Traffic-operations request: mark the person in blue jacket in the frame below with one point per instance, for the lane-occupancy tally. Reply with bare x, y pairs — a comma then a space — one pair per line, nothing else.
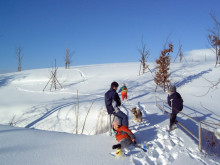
175, 101
113, 102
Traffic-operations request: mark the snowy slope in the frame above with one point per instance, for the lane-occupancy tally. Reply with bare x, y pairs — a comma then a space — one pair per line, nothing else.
22, 97
26, 146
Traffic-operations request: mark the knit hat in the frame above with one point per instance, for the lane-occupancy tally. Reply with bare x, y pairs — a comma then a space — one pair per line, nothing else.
172, 88
116, 122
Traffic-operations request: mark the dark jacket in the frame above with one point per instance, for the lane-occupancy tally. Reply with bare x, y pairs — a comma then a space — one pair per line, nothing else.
111, 95
175, 101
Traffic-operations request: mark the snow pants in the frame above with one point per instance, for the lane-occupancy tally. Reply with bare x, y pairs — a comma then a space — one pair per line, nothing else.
172, 119
123, 117
123, 96
125, 142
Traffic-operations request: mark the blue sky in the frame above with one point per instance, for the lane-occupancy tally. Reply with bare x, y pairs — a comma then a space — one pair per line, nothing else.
99, 31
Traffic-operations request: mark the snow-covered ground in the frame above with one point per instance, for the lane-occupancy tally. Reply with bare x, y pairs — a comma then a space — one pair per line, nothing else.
45, 121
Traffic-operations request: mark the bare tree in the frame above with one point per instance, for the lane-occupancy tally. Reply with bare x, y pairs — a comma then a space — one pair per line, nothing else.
180, 54
162, 76
68, 58
19, 57
213, 86
214, 38
144, 56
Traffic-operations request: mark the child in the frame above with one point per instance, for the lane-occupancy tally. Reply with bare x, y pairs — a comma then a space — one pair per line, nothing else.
175, 101
123, 91
124, 136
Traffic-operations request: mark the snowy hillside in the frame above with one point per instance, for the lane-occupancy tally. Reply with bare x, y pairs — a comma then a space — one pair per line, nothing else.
24, 103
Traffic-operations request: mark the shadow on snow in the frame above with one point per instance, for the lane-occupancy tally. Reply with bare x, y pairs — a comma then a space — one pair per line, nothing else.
191, 77
5, 80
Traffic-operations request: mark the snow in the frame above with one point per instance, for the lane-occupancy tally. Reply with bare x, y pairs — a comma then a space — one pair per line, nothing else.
44, 130
200, 55
217, 133
29, 146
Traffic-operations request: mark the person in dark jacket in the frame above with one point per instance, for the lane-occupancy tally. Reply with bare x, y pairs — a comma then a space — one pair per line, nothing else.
113, 102
175, 101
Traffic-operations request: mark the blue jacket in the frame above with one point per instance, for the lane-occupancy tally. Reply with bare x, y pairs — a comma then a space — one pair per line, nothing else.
111, 95
175, 101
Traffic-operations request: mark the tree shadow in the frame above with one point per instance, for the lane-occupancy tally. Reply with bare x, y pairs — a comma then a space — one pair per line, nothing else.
72, 84
191, 78
135, 84
139, 96
5, 80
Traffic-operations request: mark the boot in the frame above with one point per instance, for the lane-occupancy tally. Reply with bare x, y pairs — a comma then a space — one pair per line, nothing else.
118, 146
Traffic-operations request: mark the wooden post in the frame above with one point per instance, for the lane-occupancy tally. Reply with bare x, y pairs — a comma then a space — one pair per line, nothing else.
77, 112
86, 117
163, 107
200, 137
110, 125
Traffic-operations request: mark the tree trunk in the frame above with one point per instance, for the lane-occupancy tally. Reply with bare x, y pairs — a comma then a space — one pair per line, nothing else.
156, 89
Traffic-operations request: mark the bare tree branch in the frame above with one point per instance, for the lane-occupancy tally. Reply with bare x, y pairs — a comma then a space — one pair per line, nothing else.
213, 85
19, 57
214, 38
180, 53
209, 110
144, 56
68, 58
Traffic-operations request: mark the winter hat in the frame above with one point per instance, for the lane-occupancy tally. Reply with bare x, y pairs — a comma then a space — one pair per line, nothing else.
116, 122
172, 88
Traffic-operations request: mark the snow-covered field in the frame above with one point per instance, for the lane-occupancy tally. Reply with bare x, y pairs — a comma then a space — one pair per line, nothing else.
47, 120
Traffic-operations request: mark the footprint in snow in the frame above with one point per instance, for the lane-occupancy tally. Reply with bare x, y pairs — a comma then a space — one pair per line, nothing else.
136, 127
174, 155
162, 160
193, 155
169, 145
159, 144
137, 161
148, 160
